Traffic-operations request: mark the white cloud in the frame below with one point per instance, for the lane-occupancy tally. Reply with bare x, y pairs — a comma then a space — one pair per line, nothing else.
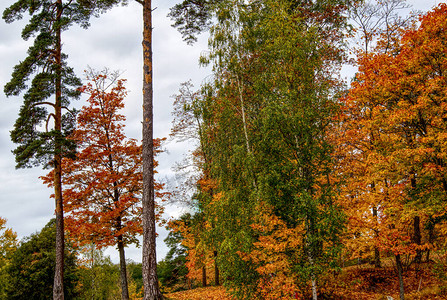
113, 41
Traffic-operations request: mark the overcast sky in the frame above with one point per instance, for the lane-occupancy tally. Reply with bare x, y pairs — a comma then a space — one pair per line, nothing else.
112, 41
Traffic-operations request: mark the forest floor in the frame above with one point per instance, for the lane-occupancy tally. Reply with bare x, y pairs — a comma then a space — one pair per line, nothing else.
360, 282
207, 293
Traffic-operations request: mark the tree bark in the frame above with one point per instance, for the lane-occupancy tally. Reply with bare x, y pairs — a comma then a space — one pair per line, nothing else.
400, 276
310, 257
58, 286
417, 238
216, 270
416, 226
431, 236
150, 280
123, 270
204, 284
377, 262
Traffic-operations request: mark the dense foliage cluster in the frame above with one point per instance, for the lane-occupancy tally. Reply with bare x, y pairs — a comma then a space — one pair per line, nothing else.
28, 269
298, 173
294, 174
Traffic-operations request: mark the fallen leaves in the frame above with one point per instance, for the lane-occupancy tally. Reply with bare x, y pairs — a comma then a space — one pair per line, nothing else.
207, 293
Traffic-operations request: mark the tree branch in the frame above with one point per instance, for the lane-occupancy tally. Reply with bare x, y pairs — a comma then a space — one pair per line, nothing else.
48, 120
44, 103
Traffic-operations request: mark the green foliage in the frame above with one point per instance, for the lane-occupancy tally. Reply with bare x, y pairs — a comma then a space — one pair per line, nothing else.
98, 276
192, 17
31, 268
135, 275
265, 123
172, 269
43, 73
38, 147
274, 196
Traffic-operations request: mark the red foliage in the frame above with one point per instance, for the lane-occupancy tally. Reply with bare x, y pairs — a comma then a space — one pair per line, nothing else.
104, 182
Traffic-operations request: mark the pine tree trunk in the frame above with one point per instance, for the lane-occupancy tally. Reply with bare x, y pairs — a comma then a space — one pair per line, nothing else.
150, 280
400, 276
123, 270
58, 286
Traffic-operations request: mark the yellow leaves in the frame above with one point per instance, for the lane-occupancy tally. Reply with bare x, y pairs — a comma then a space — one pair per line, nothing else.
8, 240
208, 293
207, 184
199, 255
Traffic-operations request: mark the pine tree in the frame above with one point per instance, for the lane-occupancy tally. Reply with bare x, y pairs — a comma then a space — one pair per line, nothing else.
47, 74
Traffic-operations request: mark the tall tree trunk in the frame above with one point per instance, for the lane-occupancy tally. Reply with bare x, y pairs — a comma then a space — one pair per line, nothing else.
216, 270
123, 270
150, 280
400, 276
58, 286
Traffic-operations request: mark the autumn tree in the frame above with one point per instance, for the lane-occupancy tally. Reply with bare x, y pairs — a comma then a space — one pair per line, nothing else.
8, 245
372, 21
266, 134
103, 182
50, 76
399, 95
151, 288
377, 26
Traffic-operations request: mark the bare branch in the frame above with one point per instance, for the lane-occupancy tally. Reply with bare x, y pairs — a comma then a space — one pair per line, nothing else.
48, 120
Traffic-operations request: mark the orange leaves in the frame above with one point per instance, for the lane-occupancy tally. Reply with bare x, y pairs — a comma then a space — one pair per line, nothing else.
207, 184
392, 137
209, 293
103, 184
271, 255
